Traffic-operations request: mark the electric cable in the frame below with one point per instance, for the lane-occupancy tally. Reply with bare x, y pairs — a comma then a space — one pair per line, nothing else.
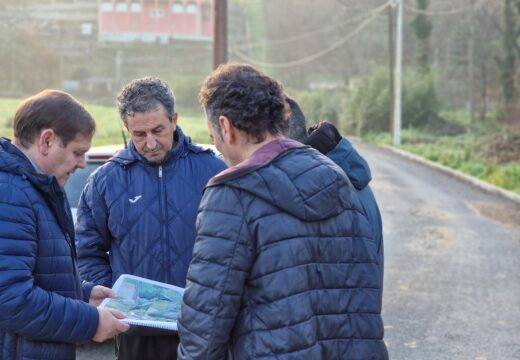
318, 54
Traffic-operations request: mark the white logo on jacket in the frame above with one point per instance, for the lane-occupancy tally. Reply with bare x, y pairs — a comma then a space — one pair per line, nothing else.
134, 200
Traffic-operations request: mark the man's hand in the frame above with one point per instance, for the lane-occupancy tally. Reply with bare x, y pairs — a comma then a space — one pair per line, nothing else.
109, 324
99, 293
323, 137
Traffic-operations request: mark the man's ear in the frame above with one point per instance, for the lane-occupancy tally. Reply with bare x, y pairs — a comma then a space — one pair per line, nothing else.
47, 139
174, 118
227, 130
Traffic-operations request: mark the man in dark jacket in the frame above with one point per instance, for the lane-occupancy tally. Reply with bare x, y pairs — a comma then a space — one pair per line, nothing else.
325, 138
42, 301
137, 212
285, 263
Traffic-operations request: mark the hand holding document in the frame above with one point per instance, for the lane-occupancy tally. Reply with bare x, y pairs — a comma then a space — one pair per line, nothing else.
110, 324
145, 302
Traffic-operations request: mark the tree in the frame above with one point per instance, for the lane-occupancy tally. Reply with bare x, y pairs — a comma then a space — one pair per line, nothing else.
422, 28
510, 50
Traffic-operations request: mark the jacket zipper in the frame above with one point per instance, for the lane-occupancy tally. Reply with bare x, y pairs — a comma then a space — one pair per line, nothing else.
164, 225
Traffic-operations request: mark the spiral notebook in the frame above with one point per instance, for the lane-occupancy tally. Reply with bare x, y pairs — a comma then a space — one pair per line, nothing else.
145, 302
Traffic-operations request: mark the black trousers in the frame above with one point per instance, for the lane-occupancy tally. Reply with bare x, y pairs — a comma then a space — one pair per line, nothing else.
135, 347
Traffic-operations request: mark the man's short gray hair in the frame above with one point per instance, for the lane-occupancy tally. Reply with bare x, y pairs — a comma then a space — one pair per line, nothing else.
144, 95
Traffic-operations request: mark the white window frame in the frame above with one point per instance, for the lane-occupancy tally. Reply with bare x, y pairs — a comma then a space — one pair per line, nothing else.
191, 8
121, 7
135, 7
106, 6
177, 8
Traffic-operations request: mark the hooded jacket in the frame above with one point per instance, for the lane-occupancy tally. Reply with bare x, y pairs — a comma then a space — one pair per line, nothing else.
284, 265
143, 214
359, 174
40, 315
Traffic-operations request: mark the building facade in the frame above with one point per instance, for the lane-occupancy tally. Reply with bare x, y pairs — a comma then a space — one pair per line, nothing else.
154, 20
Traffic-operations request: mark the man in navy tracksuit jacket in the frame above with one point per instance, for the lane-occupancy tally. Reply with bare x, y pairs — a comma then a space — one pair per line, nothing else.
137, 212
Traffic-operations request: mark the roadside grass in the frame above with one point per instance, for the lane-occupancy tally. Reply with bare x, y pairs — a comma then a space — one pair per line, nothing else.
459, 153
109, 126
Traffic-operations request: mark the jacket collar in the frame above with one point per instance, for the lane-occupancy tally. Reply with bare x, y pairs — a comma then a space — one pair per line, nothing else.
14, 161
261, 157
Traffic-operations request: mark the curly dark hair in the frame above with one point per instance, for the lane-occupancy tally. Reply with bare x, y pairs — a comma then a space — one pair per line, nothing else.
252, 101
144, 95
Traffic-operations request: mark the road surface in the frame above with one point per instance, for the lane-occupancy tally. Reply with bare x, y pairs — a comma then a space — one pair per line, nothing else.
452, 265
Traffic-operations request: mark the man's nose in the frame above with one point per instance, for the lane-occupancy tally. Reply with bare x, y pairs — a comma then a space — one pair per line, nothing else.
150, 141
82, 162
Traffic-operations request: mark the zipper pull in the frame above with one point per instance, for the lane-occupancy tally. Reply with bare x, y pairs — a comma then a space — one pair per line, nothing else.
160, 171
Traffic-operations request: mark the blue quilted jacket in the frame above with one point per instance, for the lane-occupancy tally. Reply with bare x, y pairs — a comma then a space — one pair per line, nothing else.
358, 172
143, 214
40, 317
284, 265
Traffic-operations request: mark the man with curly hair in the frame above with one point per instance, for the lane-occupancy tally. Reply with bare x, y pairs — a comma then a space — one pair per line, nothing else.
137, 212
285, 264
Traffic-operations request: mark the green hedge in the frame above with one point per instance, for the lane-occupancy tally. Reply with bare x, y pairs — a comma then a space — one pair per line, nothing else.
366, 106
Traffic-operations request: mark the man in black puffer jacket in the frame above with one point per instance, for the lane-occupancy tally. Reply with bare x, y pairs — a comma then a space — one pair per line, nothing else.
285, 264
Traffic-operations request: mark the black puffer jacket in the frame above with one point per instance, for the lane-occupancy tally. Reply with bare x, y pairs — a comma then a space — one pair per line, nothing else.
284, 266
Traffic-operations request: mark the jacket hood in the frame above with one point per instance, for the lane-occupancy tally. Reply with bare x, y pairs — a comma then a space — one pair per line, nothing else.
352, 163
130, 155
12, 160
293, 177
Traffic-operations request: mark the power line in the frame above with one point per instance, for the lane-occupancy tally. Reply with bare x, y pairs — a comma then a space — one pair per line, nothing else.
319, 54
311, 33
444, 12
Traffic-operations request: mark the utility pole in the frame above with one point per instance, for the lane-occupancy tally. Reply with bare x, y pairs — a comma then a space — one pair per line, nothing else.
220, 54
471, 65
398, 73
391, 64
119, 61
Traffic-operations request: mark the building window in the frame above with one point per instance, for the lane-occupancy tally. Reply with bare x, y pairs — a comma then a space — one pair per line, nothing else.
177, 8
156, 13
135, 7
121, 7
191, 8
106, 7
86, 29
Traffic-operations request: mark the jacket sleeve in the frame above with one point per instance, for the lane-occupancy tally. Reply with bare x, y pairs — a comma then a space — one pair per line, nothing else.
27, 309
93, 236
222, 259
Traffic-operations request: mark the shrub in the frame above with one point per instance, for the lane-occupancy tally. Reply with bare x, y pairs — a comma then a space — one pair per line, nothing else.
506, 176
366, 107
477, 169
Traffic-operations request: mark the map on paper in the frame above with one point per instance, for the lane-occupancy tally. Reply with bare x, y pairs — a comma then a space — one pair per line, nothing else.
146, 302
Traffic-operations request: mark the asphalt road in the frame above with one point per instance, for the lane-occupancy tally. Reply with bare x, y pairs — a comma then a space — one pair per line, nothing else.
452, 266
